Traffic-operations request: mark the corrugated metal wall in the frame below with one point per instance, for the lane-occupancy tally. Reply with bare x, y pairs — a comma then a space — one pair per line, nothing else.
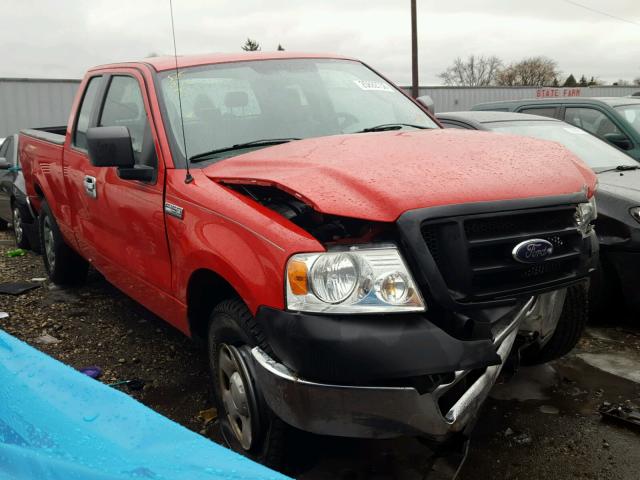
456, 99
27, 103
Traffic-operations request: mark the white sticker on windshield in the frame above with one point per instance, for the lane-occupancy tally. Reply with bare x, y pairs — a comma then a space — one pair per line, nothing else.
373, 85
576, 130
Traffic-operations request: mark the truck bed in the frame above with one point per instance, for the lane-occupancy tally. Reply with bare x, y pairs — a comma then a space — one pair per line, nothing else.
48, 134
41, 152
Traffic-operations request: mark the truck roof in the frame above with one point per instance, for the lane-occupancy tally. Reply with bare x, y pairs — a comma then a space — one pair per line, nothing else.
168, 62
611, 101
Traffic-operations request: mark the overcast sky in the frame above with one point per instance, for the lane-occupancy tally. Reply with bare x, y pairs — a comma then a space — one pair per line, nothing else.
61, 38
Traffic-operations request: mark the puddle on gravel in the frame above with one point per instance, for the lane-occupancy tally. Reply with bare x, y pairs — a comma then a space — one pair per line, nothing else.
617, 364
530, 383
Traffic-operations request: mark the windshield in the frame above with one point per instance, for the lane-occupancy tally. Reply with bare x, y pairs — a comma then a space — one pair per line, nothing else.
234, 103
631, 114
592, 151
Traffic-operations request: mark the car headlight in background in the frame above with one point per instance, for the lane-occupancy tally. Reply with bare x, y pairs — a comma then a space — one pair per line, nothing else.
635, 213
366, 279
586, 213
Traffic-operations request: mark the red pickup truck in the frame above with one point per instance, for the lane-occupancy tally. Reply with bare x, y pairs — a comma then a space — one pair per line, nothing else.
354, 269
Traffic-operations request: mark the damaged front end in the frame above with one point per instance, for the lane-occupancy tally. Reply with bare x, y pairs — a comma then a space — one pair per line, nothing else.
365, 371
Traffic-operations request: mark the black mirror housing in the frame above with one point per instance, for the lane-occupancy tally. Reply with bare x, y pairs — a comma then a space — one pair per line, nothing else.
110, 147
141, 173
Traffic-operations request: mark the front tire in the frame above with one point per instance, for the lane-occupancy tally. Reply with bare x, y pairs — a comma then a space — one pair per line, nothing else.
571, 324
64, 266
248, 425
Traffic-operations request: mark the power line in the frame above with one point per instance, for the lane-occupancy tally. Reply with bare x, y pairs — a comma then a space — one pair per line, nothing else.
600, 12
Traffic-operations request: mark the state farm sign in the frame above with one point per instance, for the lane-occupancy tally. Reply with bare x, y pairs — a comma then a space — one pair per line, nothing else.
557, 92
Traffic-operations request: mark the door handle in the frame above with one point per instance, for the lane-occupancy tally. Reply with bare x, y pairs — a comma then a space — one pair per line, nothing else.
90, 186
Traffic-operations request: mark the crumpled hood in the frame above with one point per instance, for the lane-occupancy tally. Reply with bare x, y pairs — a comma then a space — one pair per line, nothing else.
379, 176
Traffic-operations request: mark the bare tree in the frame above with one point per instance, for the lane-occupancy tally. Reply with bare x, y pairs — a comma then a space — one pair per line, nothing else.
251, 46
636, 81
475, 71
534, 72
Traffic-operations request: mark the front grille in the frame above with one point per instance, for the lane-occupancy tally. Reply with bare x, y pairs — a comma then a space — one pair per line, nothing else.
474, 252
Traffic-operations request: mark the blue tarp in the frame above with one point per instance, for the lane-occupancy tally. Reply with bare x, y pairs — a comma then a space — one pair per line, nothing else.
58, 424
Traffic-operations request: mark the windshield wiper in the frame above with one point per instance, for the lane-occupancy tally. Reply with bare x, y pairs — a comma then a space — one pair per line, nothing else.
239, 146
390, 126
621, 168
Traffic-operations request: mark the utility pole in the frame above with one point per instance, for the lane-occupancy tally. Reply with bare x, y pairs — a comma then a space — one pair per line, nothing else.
414, 51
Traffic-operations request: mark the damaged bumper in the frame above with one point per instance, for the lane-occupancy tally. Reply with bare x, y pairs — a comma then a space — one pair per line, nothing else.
373, 411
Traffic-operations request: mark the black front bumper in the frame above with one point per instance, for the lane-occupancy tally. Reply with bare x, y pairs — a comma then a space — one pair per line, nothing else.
366, 349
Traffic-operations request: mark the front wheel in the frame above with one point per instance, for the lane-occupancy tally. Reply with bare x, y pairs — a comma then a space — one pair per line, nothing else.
571, 324
247, 424
64, 266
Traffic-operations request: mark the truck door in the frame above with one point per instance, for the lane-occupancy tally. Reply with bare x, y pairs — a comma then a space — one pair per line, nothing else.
121, 227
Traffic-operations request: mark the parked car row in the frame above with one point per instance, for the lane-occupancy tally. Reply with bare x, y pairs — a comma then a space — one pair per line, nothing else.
615, 120
353, 268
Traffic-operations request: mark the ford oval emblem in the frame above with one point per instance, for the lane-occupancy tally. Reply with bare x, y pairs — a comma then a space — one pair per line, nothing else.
532, 251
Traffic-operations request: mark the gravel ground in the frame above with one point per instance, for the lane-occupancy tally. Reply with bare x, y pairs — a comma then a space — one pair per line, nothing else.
543, 424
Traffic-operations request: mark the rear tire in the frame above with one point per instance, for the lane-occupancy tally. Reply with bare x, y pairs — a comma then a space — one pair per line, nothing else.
571, 324
64, 266
248, 425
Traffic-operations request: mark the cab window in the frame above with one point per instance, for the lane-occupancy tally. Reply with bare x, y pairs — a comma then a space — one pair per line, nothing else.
123, 106
84, 113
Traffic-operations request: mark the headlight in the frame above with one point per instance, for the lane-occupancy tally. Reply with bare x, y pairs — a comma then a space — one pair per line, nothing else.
586, 213
353, 280
635, 213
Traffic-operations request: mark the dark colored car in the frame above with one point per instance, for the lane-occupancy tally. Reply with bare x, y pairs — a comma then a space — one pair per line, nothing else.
618, 194
14, 204
613, 119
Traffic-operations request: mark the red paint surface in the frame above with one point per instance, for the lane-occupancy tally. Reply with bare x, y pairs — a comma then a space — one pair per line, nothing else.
379, 176
152, 256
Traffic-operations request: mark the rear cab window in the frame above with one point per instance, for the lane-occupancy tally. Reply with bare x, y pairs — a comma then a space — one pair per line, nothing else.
84, 113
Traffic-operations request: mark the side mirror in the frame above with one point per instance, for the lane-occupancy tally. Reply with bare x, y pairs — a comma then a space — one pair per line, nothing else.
619, 140
427, 102
4, 165
110, 147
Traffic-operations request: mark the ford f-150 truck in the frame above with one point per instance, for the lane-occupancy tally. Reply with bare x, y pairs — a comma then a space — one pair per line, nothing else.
354, 269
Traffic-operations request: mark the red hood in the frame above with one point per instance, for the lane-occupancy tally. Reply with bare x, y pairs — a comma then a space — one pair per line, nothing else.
379, 176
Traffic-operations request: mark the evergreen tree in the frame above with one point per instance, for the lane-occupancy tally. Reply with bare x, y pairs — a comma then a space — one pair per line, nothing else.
280, 48
251, 46
583, 81
570, 81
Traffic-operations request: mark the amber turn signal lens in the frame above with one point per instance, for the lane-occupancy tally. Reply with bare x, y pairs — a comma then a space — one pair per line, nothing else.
297, 274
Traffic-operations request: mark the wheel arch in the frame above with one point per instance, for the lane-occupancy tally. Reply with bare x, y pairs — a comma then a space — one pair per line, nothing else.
205, 289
